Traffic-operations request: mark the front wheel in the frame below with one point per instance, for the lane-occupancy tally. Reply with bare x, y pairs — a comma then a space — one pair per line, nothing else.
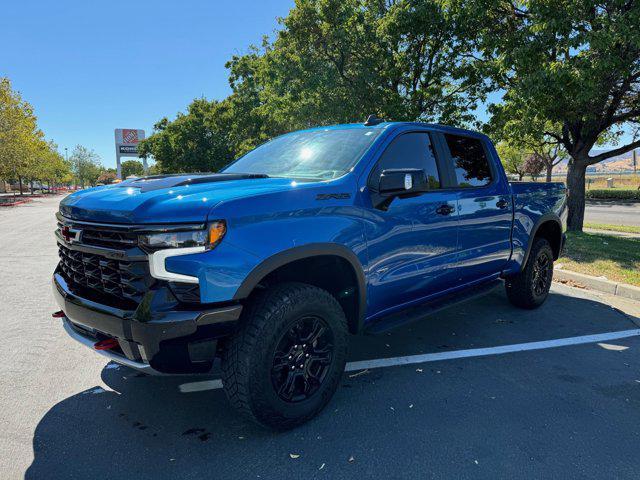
530, 288
285, 363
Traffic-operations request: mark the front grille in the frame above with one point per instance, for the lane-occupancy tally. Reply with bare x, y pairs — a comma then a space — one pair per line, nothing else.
109, 239
120, 240
124, 280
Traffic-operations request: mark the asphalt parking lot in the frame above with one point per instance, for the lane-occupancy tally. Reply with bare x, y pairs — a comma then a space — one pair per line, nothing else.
568, 409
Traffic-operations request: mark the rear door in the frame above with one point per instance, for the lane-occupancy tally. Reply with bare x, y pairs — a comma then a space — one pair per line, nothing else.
484, 207
412, 241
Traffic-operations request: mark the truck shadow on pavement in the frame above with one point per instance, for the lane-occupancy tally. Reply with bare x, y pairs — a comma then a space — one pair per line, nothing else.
144, 427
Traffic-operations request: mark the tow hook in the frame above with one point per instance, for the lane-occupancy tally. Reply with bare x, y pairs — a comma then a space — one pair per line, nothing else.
106, 344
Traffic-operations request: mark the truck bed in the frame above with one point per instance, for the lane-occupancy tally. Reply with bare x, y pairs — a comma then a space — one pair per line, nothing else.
532, 201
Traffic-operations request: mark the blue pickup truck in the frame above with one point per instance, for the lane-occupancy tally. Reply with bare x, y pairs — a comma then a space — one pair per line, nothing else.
272, 263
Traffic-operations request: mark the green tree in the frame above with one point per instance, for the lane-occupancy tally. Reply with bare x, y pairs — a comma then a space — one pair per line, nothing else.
132, 167
512, 159
20, 139
25, 155
551, 155
52, 166
336, 61
85, 165
573, 65
193, 142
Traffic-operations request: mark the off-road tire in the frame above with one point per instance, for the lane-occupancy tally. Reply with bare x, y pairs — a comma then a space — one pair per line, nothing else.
248, 356
523, 289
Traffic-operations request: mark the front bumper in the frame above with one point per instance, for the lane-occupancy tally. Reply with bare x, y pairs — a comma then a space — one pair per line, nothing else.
159, 336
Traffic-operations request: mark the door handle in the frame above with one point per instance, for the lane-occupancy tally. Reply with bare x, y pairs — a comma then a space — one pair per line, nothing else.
502, 204
445, 209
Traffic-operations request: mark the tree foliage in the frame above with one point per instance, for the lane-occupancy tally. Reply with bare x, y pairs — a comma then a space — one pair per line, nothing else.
85, 165
570, 70
533, 165
132, 168
193, 142
25, 155
107, 176
512, 159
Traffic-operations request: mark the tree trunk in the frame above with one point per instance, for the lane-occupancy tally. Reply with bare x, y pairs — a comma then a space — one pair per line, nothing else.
575, 195
20, 183
549, 171
520, 175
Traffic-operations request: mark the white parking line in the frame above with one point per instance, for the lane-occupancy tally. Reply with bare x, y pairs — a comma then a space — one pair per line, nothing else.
435, 357
481, 352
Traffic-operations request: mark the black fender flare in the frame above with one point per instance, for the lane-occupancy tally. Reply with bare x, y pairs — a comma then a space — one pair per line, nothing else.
285, 257
547, 217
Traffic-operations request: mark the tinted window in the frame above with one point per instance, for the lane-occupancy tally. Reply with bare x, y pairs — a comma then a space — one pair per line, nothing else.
315, 154
469, 161
411, 150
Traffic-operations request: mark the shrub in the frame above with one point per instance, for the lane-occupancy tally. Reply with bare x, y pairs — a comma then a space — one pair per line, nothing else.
614, 194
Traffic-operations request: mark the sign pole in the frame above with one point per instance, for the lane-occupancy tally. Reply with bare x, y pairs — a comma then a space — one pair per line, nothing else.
127, 146
118, 166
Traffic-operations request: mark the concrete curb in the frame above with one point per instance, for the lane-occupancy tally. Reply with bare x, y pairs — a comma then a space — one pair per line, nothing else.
595, 283
13, 204
612, 233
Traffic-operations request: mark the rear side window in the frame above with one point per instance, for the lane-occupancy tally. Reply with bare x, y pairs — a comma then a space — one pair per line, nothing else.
409, 150
469, 161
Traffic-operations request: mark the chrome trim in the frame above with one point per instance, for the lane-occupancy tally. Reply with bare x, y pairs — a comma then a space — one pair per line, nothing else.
158, 269
87, 342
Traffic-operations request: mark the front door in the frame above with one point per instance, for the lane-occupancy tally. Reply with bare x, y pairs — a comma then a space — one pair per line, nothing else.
411, 242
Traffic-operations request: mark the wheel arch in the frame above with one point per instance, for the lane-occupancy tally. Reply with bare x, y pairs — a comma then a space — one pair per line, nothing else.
548, 226
302, 264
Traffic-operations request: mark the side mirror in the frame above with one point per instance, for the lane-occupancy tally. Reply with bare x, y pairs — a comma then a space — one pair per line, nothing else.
402, 181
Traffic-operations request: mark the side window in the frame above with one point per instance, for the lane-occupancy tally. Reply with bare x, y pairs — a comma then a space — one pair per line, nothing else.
409, 150
469, 161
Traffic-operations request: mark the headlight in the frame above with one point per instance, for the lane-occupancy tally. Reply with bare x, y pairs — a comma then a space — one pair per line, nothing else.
208, 238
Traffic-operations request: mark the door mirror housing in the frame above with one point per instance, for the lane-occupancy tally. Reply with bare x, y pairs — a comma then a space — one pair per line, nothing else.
402, 181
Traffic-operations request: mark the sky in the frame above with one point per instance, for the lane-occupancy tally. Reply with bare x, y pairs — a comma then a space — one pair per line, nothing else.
90, 67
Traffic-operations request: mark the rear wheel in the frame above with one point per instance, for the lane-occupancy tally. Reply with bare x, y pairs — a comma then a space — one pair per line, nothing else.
530, 288
284, 364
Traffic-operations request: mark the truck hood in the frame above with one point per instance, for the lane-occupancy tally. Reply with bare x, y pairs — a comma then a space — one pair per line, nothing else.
165, 199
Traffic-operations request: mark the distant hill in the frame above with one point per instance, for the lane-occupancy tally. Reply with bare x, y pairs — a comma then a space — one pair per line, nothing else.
619, 163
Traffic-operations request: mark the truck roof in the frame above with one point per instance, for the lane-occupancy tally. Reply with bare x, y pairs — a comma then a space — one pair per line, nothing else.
386, 125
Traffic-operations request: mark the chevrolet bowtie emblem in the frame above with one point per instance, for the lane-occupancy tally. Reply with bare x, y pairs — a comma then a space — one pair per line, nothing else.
70, 234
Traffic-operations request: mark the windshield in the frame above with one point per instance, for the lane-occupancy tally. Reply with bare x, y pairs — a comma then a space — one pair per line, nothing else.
317, 154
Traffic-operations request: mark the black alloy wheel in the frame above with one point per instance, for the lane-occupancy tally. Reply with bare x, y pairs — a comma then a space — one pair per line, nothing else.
529, 288
541, 274
302, 359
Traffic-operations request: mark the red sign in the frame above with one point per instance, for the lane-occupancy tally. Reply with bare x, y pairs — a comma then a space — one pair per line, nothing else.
129, 136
